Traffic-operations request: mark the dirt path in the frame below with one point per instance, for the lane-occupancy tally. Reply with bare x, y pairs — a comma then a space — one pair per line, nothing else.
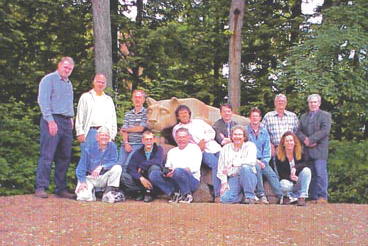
26, 220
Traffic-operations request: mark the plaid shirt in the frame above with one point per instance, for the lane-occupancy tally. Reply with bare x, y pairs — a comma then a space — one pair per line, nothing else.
277, 126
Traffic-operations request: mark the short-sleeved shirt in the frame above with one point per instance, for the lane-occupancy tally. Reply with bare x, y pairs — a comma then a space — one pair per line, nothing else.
277, 126
132, 119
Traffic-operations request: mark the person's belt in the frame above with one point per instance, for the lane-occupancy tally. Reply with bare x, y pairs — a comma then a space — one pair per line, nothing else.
95, 127
63, 116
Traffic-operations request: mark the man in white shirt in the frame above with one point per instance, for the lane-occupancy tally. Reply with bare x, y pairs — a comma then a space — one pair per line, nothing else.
182, 173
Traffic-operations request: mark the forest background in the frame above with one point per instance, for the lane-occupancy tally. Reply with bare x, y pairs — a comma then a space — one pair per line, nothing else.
180, 48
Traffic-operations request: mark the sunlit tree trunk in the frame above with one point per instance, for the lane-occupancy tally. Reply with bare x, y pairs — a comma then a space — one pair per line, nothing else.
236, 24
102, 38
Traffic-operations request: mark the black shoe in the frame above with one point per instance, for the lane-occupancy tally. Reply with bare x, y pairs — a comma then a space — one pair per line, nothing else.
66, 194
140, 197
188, 198
286, 200
148, 197
175, 197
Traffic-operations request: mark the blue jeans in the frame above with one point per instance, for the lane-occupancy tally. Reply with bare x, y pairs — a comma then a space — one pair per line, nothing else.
319, 183
211, 161
240, 184
90, 139
182, 181
300, 189
56, 148
124, 157
272, 179
133, 185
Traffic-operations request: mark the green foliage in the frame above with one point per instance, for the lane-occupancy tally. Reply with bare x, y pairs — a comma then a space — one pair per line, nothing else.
348, 172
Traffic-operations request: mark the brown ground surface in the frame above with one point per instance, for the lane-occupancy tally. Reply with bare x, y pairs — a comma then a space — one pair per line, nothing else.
26, 220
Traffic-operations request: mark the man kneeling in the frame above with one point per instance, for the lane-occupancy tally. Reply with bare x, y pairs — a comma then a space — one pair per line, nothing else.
98, 168
182, 173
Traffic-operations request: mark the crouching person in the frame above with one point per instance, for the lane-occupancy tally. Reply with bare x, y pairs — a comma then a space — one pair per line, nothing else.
146, 159
237, 168
181, 175
98, 168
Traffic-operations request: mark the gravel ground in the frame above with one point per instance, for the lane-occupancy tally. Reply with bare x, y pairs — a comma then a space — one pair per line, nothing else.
26, 220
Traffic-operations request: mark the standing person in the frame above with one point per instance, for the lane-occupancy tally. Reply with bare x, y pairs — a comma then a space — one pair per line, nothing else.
278, 122
237, 168
135, 121
182, 174
98, 168
95, 109
313, 131
203, 135
295, 176
223, 126
55, 97
261, 138
145, 160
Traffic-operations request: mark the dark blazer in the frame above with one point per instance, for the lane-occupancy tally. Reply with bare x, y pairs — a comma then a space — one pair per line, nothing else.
138, 160
220, 127
283, 168
317, 130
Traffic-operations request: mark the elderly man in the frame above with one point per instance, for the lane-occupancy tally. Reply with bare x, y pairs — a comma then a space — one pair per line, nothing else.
98, 168
55, 97
95, 109
261, 138
182, 173
224, 125
203, 135
135, 122
313, 131
145, 160
278, 122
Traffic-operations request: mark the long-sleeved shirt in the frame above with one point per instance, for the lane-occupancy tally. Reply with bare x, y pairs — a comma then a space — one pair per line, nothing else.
86, 113
55, 96
198, 130
93, 157
231, 160
277, 126
139, 160
262, 142
190, 156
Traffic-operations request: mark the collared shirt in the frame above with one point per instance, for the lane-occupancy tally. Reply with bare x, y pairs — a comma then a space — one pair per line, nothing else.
277, 126
132, 119
93, 157
55, 96
198, 130
262, 141
231, 160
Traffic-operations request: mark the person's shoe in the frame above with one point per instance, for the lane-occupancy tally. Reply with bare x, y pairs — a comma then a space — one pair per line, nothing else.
264, 200
249, 201
286, 200
140, 197
66, 194
188, 198
293, 200
148, 197
301, 201
175, 197
322, 201
41, 194
217, 199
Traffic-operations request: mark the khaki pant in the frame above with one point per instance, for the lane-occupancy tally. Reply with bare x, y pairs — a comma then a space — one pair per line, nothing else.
110, 178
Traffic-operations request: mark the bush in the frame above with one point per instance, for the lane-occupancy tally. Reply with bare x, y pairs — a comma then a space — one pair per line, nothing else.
348, 172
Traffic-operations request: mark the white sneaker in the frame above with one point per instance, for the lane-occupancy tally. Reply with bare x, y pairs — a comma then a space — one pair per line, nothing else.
264, 200
176, 197
187, 199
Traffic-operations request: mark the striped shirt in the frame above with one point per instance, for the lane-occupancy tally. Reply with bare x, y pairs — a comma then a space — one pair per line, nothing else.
132, 119
277, 126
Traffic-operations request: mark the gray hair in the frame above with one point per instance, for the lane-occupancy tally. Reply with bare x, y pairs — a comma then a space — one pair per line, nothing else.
280, 96
67, 59
182, 129
314, 96
103, 129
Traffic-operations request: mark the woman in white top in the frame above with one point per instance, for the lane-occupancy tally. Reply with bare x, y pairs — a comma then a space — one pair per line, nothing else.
95, 109
236, 168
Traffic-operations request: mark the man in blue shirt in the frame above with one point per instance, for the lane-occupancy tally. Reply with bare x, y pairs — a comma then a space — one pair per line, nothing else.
261, 138
55, 97
145, 160
98, 168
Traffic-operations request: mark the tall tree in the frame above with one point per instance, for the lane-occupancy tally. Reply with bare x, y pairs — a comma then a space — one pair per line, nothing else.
102, 38
236, 24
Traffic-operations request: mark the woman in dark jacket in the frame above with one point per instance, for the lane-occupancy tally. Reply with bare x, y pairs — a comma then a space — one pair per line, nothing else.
294, 175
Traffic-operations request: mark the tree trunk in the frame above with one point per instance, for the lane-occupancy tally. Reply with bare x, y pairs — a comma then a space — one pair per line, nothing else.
236, 24
102, 38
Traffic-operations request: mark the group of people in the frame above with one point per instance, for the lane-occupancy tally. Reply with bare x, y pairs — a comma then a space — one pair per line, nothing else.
289, 153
